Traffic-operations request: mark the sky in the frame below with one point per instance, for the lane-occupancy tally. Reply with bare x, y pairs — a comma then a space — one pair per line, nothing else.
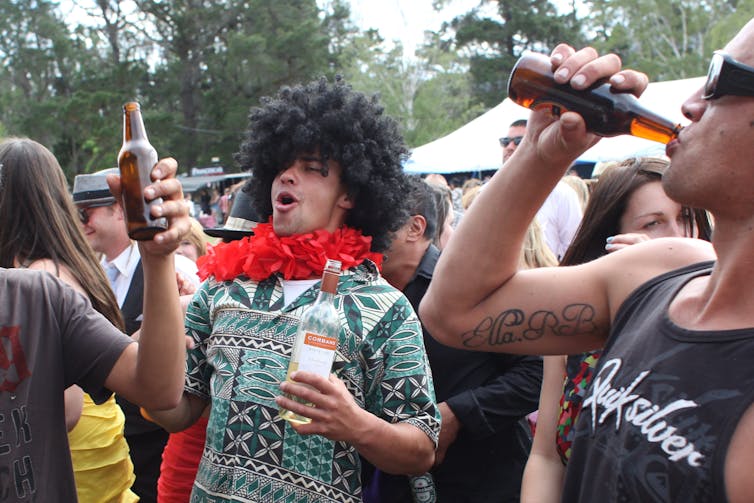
405, 20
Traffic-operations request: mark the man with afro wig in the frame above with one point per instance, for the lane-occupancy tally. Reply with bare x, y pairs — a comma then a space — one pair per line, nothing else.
327, 180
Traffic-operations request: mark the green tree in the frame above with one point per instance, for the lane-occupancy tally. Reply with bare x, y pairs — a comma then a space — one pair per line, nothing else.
220, 57
495, 43
731, 23
429, 93
667, 39
60, 87
36, 66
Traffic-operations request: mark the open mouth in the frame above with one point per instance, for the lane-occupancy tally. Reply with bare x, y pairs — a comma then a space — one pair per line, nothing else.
285, 200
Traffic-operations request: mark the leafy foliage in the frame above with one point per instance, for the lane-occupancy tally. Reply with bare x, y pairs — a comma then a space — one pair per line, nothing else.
667, 39
197, 66
495, 43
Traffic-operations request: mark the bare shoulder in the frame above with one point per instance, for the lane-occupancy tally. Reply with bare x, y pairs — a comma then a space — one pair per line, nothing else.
665, 253
56, 269
44, 264
739, 484
629, 268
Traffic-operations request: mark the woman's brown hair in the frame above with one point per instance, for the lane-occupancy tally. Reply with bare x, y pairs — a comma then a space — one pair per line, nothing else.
608, 202
38, 220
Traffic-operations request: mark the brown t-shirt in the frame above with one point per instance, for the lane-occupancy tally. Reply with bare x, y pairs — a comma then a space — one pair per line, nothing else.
50, 339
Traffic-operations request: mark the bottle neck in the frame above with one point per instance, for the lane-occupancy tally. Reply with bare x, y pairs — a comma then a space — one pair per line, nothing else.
325, 297
329, 285
133, 123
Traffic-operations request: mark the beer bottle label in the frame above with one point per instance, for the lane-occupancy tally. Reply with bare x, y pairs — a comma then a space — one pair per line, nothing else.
423, 488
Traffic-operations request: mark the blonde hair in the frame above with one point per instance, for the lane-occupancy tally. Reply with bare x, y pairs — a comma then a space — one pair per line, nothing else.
469, 196
198, 238
535, 252
579, 185
470, 184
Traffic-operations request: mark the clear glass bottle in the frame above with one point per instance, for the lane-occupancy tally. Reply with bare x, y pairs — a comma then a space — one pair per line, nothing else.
605, 112
136, 159
317, 335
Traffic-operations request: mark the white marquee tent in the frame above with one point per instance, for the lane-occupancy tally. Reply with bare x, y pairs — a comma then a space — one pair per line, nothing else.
475, 147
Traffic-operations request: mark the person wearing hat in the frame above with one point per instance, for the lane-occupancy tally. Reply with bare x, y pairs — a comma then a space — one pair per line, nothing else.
182, 453
241, 220
103, 223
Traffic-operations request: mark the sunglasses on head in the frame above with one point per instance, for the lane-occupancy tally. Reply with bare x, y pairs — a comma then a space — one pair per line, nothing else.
505, 141
726, 76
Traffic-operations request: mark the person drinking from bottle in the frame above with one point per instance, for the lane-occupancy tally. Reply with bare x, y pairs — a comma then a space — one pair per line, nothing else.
669, 415
326, 167
627, 206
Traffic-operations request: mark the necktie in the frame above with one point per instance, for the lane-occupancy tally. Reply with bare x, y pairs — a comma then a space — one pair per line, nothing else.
112, 274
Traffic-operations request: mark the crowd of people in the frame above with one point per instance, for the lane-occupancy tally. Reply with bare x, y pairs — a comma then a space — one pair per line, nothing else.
156, 371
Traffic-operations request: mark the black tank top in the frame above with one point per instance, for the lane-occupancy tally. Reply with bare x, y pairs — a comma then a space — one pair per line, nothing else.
659, 414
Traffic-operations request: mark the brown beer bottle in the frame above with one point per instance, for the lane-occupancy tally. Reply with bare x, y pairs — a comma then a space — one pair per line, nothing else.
605, 112
136, 159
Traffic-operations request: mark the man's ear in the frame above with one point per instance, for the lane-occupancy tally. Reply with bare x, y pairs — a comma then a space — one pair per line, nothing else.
119, 212
418, 224
345, 202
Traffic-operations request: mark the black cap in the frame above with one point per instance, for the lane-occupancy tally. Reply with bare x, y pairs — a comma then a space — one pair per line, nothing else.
240, 222
92, 190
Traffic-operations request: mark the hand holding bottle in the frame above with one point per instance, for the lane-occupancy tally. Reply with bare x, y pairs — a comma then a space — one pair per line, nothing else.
326, 402
560, 140
167, 187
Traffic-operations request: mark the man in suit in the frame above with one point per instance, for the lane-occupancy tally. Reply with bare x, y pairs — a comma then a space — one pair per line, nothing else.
483, 397
103, 223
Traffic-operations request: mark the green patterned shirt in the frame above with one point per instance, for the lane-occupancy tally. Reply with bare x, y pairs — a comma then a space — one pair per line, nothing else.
243, 340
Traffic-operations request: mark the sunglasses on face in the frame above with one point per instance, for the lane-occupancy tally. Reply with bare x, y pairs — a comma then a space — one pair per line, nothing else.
83, 215
726, 76
505, 141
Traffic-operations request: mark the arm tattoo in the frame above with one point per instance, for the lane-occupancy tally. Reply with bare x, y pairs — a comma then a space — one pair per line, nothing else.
513, 326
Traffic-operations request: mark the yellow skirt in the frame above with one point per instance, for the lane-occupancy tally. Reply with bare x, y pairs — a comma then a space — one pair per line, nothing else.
101, 463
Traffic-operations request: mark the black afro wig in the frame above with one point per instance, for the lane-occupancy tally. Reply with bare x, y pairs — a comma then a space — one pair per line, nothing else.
343, 125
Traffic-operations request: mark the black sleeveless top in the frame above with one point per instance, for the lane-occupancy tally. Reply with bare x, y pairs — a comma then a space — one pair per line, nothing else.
659, 414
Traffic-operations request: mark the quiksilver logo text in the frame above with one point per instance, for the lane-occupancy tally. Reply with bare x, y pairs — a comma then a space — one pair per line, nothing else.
640, 412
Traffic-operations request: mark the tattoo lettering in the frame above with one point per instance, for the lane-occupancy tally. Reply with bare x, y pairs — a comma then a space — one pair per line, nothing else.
513, 326
494, 332
578, 320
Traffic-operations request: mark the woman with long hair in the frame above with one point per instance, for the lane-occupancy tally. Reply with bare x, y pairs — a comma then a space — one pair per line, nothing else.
627, 205
39, 229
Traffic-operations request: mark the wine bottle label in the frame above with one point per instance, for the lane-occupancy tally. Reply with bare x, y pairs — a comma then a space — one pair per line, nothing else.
317, 353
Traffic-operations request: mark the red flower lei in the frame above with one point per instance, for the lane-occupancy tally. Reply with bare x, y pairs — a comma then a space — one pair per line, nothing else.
295, 257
